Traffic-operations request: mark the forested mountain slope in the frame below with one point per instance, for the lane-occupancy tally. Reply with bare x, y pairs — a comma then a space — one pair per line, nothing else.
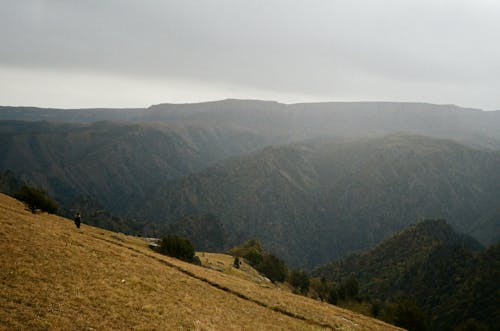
113, 163
448, 275
314, 202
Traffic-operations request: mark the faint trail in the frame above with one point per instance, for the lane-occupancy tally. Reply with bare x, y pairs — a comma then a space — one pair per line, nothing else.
219, 286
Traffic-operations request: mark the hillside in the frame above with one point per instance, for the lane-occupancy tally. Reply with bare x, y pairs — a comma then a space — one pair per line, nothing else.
449, 276
314, 202
54, 276
113, 163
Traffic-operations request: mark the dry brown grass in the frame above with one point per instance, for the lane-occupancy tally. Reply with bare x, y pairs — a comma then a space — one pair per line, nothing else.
224, 263
56, 277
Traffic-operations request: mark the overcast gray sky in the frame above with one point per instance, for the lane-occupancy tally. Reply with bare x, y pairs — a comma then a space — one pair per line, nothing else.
85, 53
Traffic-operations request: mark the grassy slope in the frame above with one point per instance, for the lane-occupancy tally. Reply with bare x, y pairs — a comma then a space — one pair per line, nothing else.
54, 276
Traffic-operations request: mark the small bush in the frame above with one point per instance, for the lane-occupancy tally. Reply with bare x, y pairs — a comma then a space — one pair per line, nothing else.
236, 262
265, 263
254, 258
36, 198
180, 248
321, 287
299, 279
409, 316
333, 297
273, 268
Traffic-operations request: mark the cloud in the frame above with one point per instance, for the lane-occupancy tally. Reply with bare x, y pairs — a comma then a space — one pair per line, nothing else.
321, 49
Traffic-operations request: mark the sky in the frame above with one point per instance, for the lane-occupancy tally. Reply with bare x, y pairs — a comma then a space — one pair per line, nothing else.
124, 53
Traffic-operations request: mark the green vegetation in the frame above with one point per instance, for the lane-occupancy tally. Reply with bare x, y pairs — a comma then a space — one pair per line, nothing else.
341, 195
315, 202
180, 248
273, 268
264, 262
409, 316
237, 262
115, 163
9, 182
36, 198
448, 277
471, 325
299, 279
321, 288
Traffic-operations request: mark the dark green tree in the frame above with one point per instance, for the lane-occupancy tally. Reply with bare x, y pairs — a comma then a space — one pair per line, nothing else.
376, 308
409, 316
471, 325
264, 262
177, 247
351, 287
36, 198
273, 268
299, 279
333, 296
254, 258
321, 286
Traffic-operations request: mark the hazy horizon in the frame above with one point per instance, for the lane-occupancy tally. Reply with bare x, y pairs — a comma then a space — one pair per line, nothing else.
250, 100
130, 54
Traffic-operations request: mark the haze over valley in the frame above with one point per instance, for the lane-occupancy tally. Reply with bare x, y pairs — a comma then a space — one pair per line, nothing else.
250, 165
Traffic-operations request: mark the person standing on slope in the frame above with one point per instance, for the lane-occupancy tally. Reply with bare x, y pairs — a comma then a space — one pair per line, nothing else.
77, 220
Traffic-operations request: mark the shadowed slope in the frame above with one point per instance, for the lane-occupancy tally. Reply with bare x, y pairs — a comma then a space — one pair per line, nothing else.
448, 275
310, 203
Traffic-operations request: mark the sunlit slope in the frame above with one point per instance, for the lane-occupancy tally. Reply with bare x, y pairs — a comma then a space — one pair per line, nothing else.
54, 276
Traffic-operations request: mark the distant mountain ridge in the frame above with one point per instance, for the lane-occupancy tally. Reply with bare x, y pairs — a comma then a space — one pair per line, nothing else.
299, 121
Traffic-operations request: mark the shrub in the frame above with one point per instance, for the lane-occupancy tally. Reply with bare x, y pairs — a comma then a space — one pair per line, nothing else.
376, 308
180, 248
409, 316
36, 198
236, 262
254, 258
273, 268
300, 280
265, 263
333, 297
322, 287
351, 287
251, 251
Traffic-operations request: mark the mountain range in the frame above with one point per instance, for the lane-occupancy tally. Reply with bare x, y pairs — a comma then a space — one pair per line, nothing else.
313, 182
295, 122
